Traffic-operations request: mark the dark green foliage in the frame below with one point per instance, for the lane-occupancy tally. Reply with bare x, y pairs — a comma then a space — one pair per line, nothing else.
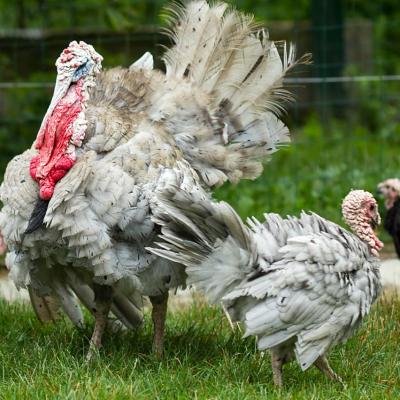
318, 169
103, 14
121, 14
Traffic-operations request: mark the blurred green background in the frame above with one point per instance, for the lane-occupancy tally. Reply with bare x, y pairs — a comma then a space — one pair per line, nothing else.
344, 123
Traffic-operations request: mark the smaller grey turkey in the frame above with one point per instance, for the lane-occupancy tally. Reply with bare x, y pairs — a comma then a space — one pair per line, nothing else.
390, 189
300, 285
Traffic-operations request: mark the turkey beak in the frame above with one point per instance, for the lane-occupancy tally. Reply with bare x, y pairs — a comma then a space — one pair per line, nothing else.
375, 221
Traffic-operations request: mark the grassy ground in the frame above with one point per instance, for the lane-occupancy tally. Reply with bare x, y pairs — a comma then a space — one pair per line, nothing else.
203, 360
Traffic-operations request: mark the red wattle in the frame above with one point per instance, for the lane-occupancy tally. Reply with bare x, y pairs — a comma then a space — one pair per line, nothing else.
33, 166
53, 140
48, 183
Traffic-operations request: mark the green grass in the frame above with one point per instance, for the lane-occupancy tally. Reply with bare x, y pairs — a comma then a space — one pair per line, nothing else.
203, 360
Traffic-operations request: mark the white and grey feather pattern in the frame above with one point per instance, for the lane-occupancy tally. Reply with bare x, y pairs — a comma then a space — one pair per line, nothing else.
304, 281
213, 117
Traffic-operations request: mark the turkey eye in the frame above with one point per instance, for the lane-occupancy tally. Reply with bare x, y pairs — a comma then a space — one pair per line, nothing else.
372, 207
82, 68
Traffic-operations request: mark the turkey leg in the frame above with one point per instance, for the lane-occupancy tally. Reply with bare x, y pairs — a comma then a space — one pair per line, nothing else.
102, 298
158, 315
323, 365
277, 363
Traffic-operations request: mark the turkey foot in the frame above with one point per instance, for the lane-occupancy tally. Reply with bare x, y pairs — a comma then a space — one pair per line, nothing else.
158, 315
323, 365
102, 299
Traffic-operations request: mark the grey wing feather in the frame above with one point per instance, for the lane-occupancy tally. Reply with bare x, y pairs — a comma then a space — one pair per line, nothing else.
46, 307
315, 294
208, 238
19, 194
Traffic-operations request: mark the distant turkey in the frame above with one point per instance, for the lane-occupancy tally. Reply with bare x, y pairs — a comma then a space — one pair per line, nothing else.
300, 285
390, 189
111, 139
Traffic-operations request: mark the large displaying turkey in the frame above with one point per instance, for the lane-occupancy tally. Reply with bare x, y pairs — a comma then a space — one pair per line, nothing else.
390, 189
300, 285
78, 204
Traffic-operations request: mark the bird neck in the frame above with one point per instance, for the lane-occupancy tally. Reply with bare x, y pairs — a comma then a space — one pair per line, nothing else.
60, 135
363, 229
391, 201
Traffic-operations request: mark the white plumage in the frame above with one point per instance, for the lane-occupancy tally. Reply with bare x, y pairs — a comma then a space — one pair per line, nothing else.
300, 285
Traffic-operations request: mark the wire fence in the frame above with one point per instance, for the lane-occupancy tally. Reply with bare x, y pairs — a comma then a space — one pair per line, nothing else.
306, 80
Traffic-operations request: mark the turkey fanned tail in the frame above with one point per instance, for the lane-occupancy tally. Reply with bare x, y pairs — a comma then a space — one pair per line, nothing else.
231, 60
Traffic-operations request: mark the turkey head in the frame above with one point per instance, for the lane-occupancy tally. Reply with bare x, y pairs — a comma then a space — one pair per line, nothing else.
390, 189
360, 212
64, 125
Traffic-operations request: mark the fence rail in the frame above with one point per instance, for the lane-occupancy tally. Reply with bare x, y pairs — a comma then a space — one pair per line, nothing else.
306, 80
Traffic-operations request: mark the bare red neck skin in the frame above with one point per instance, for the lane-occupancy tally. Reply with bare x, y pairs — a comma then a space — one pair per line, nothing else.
367, 234
53, 141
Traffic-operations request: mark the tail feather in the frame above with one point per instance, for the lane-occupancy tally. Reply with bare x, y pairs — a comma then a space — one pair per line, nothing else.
128, 314
233, 30
263, 90
124, 309
194, 25
230, 58
46, 307
208, 238
68, 302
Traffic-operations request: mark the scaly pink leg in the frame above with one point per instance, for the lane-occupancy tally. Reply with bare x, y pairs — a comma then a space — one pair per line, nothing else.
103, 298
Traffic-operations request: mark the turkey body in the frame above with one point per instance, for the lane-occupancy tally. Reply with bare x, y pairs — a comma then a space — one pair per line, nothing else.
300, 285
211, 118
310, 295
98, 220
